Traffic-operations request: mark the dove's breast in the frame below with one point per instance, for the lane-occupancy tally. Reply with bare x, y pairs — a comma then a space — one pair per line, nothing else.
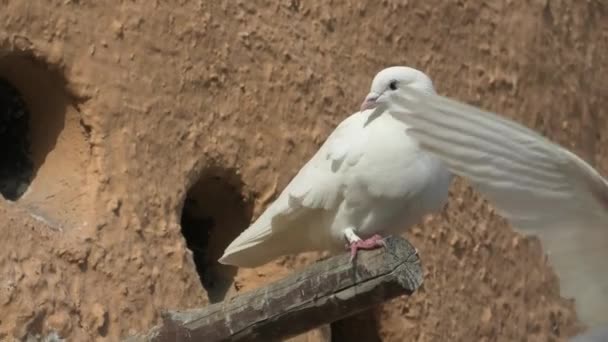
392, 185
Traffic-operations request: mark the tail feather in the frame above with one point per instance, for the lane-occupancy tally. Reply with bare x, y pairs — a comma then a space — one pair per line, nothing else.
259, 252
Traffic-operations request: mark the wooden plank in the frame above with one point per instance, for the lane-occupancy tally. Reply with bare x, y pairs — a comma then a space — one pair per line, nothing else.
322, 293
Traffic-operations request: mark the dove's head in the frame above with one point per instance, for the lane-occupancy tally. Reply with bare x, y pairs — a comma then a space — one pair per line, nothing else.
393, 78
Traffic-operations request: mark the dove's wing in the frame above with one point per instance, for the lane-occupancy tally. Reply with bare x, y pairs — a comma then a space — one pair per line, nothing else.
540, 187
317, 186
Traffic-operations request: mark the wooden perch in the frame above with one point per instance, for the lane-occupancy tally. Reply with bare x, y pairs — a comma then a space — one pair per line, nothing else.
322, 293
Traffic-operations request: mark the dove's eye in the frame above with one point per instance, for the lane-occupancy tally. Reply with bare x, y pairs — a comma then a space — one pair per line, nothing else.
393, 85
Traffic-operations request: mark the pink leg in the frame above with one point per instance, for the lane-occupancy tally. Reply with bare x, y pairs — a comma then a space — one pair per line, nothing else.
373, 242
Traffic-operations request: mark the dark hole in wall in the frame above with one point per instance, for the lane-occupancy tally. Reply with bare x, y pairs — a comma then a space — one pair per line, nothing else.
34, 103
362, 326
16, 167
214, 214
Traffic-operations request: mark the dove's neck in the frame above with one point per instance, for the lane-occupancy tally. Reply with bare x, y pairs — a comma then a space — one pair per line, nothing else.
383, 118
373, 114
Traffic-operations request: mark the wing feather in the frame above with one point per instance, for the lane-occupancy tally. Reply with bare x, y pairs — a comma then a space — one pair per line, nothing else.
317, 186
540, 187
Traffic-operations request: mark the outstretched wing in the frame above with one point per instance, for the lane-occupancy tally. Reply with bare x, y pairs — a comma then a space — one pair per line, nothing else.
317, 186
540, 187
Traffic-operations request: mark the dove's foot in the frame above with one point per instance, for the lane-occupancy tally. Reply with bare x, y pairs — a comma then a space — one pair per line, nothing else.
373, 242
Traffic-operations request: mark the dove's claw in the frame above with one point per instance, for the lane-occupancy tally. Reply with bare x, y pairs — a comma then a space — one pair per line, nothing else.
373, 242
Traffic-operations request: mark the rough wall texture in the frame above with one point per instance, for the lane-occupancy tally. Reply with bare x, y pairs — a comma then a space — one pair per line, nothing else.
134, 103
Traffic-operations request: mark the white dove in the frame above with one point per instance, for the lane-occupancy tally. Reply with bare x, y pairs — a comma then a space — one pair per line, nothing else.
368, 179
540, 187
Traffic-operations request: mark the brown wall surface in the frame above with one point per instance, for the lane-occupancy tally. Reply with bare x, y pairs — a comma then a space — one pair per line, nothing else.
134, 103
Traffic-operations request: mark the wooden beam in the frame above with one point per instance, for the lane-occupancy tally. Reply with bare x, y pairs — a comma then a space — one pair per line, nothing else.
322, 293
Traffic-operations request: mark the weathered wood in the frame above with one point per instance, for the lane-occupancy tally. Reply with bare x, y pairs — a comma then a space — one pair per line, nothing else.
320, 294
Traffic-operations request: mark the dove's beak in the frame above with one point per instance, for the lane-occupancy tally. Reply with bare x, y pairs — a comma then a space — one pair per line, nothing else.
370, 101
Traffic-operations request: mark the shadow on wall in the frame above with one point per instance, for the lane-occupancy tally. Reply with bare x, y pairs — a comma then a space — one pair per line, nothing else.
214, 213
362, 326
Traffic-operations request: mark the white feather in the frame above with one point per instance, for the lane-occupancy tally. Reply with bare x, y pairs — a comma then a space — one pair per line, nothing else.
540, 187
368, 175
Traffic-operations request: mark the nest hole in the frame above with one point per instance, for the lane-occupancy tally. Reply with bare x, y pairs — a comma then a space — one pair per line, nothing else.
214, 213
42, 138
16, 166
